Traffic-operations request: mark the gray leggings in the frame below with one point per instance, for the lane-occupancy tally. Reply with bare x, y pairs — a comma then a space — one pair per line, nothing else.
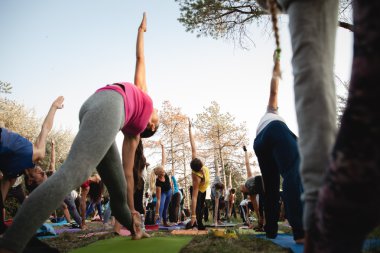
101, 118
312, 25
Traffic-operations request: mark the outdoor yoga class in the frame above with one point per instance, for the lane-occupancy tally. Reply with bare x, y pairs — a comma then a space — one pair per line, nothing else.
189, 126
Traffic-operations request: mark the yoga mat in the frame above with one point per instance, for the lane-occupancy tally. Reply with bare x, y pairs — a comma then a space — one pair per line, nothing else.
371, 244
67, 230
92, 234
189, 232
46, 237
224, 225
8, 222
61, 223
176, 227
151, 227
124, 232
285, 241
126, 245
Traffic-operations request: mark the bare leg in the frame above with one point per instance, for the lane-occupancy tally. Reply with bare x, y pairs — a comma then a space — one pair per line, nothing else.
83, 199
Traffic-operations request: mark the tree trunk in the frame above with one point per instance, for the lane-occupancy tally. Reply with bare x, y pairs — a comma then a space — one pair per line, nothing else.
223, 169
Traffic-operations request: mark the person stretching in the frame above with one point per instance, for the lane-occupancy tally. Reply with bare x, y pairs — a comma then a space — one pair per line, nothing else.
35, 177
163, 190
120, 106
201, 180
18, 154
277, 153
85, 188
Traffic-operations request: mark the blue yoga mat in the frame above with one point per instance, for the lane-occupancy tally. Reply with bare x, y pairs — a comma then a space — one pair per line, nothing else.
370, 244
285, 241
61, 223
46, 231
177, 227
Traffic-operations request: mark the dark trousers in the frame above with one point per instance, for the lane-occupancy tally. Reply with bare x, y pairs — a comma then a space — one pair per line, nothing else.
277, 153
174, 207
17, 193
200, 208
351, 188
138, 200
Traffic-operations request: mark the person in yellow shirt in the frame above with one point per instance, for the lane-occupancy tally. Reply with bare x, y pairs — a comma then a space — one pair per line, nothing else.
201, 180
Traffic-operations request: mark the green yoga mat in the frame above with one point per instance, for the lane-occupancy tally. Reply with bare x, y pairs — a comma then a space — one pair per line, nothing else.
170, 244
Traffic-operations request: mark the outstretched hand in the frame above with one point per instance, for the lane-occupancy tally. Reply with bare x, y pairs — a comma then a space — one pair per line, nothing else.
143, 24
58, 103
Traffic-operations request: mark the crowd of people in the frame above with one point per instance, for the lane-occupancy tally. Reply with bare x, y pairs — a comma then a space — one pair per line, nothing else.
327, 176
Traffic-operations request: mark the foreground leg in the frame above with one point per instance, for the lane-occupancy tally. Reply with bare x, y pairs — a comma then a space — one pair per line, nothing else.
352, 187
112, 174
312, 25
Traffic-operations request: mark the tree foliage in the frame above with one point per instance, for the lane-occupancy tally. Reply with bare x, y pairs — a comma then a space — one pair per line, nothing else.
219, 140
5, 87
222, 138
175, 139
230, 19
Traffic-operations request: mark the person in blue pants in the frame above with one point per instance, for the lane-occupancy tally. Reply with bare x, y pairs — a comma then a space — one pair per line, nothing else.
163, 190
277, 153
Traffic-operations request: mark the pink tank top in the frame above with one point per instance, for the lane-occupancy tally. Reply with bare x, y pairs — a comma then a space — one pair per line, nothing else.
138, 107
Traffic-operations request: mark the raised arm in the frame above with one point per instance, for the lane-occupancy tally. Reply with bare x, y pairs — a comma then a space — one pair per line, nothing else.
247, 165
192, 142
140, 74
230, 181
39, 146
163, 159
273, 95
52, 157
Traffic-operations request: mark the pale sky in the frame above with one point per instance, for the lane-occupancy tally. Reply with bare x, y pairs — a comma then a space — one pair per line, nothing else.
71, 48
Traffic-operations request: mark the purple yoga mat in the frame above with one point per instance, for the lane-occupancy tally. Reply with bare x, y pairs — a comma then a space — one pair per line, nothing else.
67, 230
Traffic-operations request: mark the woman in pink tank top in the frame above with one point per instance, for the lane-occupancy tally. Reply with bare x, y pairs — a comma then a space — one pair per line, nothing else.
121, 106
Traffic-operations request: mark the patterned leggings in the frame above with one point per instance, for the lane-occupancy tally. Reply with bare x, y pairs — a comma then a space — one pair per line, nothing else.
349, 204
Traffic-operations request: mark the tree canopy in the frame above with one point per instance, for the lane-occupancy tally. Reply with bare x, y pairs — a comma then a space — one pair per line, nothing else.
230, 19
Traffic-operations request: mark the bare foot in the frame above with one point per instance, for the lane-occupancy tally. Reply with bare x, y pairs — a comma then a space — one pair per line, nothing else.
145, 235
136, 224
83, 226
